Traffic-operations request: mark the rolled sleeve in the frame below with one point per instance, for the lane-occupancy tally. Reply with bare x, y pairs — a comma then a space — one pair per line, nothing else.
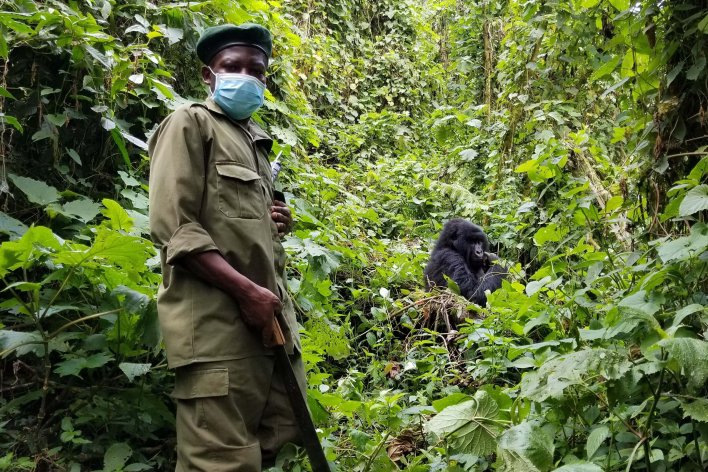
177, 185
188, 239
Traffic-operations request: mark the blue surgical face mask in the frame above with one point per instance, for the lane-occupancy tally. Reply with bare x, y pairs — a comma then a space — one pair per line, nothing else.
239, 95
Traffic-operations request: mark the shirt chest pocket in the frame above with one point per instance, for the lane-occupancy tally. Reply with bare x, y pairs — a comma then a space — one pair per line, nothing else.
241, 193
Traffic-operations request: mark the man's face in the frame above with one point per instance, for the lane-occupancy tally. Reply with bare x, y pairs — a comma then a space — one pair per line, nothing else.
237, 60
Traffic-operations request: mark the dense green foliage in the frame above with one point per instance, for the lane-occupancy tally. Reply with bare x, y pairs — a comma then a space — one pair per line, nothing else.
574, 130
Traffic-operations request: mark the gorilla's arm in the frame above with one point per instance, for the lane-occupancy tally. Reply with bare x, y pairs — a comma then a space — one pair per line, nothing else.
491, 280
451, 263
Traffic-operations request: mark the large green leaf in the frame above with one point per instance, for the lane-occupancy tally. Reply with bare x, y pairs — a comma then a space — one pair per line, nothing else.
643, 302
695, 71
12, 227
450, 400
606, 68
116, 456
595, 439
621, 5
139, 200
74, 365
695, 200
685, 247
10, 338
134, 302
83, 209
117, 216
19, 401
530, 444
25, 251
128, 252
11, 119
692, 355
132, 370
511, 461
697, 409
468, 427
36, 191
556, 375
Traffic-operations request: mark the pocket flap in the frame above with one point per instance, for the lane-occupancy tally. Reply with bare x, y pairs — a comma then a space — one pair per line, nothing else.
236, 171
202, 383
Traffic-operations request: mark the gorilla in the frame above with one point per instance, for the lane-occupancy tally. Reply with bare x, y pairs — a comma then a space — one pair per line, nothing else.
462, 254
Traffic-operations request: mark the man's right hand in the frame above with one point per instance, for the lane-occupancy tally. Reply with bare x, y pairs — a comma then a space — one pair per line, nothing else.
258, 308
258, 305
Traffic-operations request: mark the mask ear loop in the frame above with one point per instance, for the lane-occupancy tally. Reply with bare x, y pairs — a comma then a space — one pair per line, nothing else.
210, 93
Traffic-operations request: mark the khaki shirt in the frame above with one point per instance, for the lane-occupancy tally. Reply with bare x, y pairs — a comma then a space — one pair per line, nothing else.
211, 189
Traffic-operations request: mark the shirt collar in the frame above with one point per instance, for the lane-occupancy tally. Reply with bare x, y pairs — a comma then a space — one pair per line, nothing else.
256, 134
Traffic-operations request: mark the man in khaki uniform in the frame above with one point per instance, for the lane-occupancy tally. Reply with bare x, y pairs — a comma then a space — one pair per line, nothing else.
218, 228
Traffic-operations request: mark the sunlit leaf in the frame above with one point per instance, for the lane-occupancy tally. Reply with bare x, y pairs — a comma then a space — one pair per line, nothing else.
5, 93
606, 68
12, 121
119, 219
132, 370
36, 240
621, 5
703, 24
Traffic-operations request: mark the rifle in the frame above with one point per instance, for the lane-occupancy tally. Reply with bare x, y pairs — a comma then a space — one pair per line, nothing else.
318, 461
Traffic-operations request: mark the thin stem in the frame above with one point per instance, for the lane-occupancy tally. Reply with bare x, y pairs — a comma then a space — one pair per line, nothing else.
376, 451
695, 442
61, 288
688, 154
634, 451
95, 315
45, 387
611, 410
411, 305
657, 396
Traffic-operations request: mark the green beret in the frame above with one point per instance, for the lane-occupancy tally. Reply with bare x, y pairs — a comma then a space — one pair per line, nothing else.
217, 38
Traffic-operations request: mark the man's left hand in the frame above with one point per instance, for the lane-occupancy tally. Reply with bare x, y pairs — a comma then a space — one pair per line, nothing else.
282, 217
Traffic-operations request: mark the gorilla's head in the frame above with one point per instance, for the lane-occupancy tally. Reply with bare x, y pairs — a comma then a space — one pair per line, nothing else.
467, 239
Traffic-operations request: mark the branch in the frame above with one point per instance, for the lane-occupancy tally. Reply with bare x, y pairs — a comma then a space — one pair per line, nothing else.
411, 305
95, 315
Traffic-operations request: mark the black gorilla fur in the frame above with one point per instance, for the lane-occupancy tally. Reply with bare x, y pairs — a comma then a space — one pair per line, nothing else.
462, 254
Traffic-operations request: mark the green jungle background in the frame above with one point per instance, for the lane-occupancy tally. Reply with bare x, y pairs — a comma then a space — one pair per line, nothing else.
574, 131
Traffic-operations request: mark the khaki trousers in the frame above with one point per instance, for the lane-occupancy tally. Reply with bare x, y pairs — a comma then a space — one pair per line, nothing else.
233, 416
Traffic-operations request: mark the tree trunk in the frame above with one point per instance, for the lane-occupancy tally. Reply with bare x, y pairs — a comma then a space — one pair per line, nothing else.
488, 67
508, 143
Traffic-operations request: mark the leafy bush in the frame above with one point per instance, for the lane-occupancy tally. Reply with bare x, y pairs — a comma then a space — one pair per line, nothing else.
575, 131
